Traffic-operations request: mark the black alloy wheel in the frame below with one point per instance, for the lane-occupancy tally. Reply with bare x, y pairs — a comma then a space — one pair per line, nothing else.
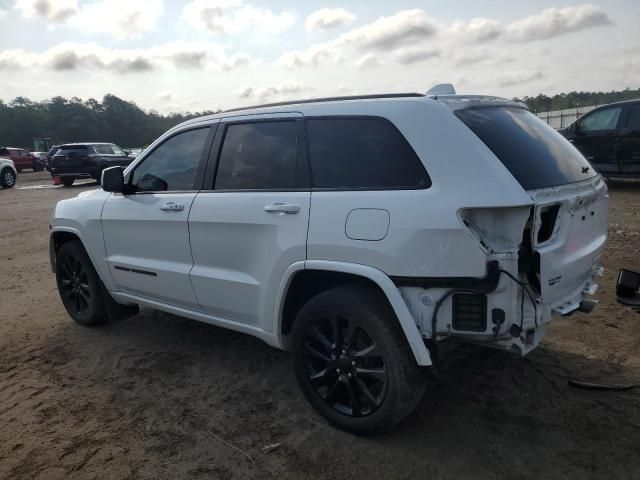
79, 285
345, 366
74, 283
352, 360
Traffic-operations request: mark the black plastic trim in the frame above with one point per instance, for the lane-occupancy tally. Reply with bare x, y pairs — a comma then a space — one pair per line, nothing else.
486, 284
136, 270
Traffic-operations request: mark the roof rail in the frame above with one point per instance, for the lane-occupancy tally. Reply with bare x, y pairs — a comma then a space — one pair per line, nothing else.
327, 99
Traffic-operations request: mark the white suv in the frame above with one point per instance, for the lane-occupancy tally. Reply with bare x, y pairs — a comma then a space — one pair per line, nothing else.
355, 232
8, 173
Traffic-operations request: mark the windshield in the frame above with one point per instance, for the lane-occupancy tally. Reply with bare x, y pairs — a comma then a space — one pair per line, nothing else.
535, 154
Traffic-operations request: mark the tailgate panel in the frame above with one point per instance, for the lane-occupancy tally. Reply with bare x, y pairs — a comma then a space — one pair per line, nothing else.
570, 257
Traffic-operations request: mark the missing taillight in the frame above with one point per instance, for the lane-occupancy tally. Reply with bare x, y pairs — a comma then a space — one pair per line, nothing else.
548, 218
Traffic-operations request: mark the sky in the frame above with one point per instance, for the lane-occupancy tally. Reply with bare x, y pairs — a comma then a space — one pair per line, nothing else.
194, 55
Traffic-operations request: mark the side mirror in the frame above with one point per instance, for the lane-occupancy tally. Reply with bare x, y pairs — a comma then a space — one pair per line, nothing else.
112, 180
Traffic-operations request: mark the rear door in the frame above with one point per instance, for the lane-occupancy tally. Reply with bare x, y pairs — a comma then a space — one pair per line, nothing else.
251, 223
146, 233
629, 141
596, 138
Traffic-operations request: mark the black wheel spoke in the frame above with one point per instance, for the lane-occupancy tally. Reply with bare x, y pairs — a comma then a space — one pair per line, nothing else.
331, 393
369, 351
356, 410
317, 354
321, 337
379, 374
372, 400
336, 328
351, 336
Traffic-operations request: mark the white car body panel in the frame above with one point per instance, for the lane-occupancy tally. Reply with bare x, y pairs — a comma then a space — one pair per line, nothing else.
139, 236
224, 260
241, 252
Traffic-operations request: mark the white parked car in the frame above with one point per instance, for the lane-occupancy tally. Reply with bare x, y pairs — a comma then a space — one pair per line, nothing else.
8, 173
357, 232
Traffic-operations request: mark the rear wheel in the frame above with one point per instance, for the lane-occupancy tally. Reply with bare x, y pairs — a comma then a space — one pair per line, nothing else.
7, 178
79, 285
352, 360
67, 181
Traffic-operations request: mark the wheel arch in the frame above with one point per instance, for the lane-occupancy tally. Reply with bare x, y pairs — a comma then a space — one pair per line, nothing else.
303, 281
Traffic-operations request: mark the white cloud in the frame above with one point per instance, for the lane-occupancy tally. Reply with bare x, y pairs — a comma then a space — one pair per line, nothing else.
400, 29
403, 29
327, 19
414, 55
509, 79
367, 61
119, 18
55, 11
553, 22
234, 16
164, 96
273, 92
312, 56
73, 56
476, 30
3, 13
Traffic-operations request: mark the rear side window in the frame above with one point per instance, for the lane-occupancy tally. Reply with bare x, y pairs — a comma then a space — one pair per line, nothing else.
362, 154
75, 150
259, 156
535, 154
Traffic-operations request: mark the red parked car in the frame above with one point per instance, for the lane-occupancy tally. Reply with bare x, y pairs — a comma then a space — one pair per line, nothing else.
22, 159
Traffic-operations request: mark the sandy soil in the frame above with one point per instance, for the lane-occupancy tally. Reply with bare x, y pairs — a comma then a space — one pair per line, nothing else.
162, 397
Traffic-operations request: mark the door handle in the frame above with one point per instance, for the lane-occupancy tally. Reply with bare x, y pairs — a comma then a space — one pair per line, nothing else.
282, 208
172, 207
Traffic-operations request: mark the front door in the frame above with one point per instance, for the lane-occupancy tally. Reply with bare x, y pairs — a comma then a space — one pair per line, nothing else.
629, 141
252, 223
146, 232
596, 138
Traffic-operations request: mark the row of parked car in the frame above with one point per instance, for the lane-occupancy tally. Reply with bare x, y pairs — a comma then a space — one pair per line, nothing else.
69, 161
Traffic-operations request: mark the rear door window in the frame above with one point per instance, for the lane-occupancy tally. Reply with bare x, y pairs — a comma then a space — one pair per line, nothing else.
362, 154
633, 117
104, 149
605, 119
535, 154
259, 156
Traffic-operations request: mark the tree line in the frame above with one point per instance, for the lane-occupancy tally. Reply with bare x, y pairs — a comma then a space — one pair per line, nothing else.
76, 120
561, 101
124, 123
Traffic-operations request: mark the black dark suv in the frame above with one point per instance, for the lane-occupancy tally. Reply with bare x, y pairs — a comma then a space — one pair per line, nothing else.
86, 160
609, 137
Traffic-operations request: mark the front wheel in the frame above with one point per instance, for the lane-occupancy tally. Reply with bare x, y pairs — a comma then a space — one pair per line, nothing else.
7, 178
352, 361
68, 181
79, 285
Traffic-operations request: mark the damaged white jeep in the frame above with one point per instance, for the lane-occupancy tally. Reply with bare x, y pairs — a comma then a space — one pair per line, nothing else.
355, 232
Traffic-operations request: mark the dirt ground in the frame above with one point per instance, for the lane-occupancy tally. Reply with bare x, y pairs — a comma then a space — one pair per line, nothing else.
162, 397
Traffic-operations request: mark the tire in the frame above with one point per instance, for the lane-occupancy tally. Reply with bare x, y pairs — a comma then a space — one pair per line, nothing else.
67, 181
371, 352
7, 178
79, 285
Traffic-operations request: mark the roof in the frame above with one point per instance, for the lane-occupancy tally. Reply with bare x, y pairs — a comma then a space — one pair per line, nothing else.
314, 106
82, 144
